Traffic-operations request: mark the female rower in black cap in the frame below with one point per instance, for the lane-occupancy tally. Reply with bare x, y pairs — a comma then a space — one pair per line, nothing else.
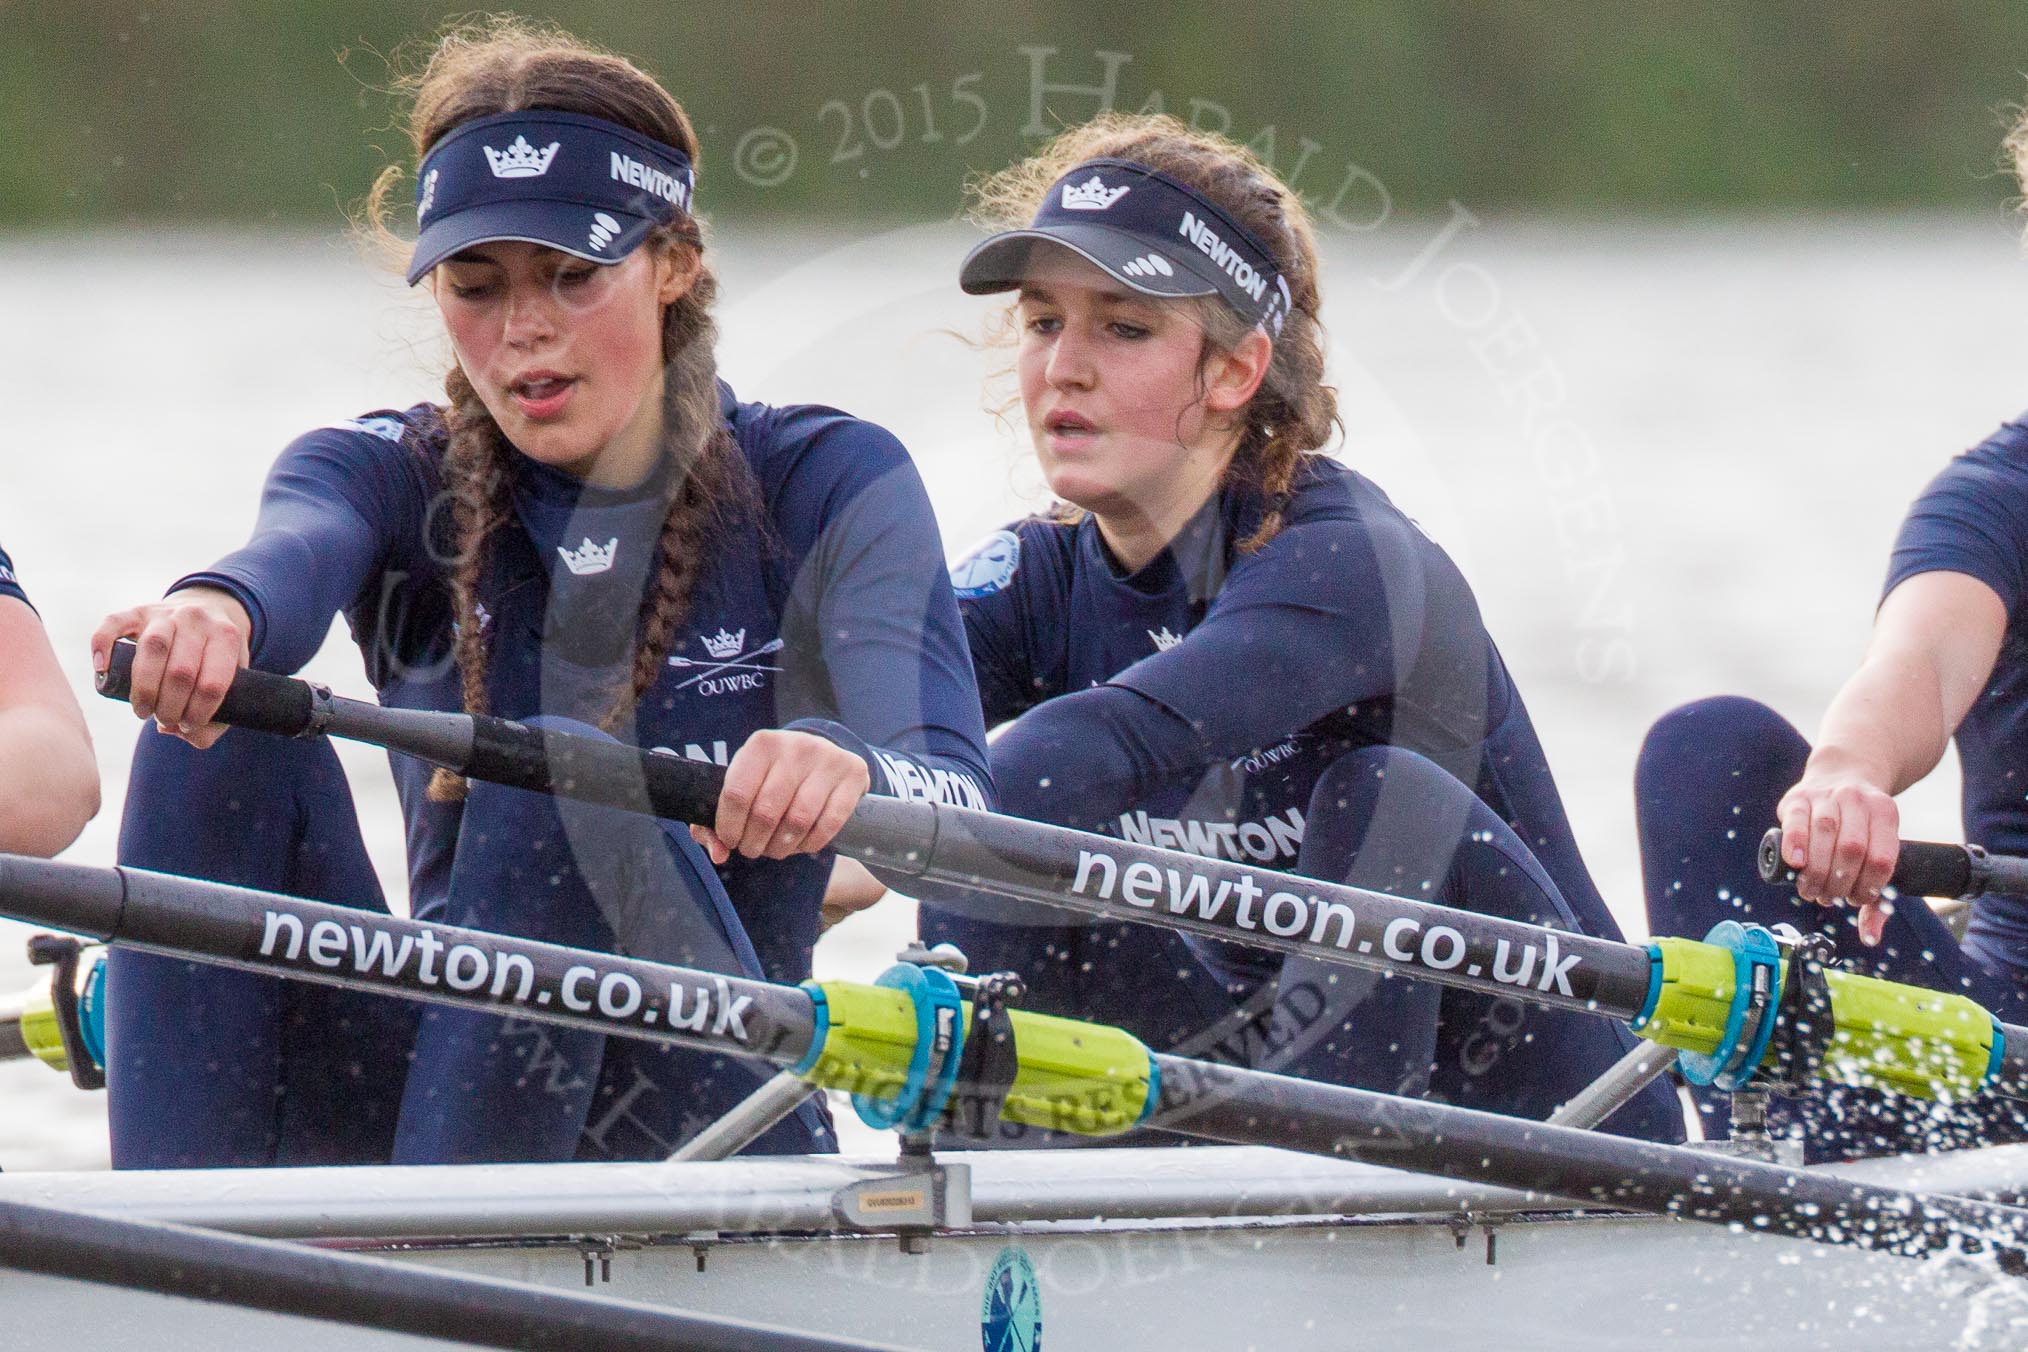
1223, 641
591, 528
49, 781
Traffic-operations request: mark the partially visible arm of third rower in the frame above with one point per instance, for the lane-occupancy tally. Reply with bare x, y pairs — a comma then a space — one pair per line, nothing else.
1934, 644
49, 781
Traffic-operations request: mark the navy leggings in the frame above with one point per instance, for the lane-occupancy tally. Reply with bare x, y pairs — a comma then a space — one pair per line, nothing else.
213, 1067
1382, 818
1705, 787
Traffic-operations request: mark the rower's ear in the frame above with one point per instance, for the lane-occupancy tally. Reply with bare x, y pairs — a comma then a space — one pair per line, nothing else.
1232, 376
676, 269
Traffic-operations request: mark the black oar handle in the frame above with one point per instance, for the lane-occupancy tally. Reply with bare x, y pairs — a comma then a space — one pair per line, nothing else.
572, 764
259, 700
1925, 869
575, 765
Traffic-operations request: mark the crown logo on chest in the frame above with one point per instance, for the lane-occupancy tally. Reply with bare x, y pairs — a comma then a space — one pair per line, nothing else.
722, 644
589, 558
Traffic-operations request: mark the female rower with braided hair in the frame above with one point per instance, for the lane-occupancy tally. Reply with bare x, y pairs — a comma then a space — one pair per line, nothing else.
593, 529
1224, 641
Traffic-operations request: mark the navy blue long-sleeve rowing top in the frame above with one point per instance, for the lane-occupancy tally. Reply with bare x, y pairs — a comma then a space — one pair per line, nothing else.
1194, 703
830, 612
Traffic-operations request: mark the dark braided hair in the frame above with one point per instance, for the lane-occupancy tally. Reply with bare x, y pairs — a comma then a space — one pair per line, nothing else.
504, 64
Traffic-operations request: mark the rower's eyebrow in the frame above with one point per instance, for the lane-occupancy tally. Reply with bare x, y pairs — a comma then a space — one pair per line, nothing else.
1041, 296
474, 255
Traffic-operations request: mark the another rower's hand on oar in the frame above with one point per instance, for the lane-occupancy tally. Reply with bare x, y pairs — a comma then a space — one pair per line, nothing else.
785, 793
1935, 640
1841, 833
187, 648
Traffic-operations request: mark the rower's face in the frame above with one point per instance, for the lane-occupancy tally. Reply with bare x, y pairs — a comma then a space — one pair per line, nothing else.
1113, 384
565, 354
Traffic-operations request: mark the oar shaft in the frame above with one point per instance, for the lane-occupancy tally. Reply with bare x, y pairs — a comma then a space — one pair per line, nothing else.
1262, 908
292, 1279
370, 950
1222, 1103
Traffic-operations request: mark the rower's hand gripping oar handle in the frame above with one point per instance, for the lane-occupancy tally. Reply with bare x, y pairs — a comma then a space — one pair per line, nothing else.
1925, 869
259, 700
575, 765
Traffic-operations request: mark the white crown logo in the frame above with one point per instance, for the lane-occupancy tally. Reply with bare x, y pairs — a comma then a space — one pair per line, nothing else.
603, 229
1149, 265
429, 196
723, 645
1090, 195
520, 160
588, 557
1164, 640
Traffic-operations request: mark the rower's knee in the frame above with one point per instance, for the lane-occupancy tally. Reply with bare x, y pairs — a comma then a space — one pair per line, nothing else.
242, 771
1729, 734
1356, 784
243, 812
1706, 785
1388, 818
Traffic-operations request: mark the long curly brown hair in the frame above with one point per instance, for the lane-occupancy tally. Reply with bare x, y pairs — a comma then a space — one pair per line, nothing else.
1295, 412
2015, 148
505, 64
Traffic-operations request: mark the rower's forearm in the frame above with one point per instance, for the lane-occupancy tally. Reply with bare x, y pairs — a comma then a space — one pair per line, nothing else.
1887, 723
853, 887
49, 781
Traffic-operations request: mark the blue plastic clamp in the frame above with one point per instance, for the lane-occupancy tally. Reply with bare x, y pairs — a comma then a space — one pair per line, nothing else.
933, 1069
1756, 994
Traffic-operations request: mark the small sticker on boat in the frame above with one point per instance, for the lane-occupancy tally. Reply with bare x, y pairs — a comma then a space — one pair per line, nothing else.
988, 568
1010, 1318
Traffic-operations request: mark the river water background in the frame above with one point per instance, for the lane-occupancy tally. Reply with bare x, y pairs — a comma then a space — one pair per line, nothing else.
1669, 457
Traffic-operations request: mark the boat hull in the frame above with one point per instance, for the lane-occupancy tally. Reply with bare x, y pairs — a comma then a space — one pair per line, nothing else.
1198, 1248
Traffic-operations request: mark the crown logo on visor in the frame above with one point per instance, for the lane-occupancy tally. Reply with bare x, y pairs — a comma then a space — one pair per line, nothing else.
1091, 195
723, 645
589, 558
521, 160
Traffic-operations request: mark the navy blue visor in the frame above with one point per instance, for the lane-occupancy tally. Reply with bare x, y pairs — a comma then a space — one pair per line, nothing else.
1146, 231
588, 187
